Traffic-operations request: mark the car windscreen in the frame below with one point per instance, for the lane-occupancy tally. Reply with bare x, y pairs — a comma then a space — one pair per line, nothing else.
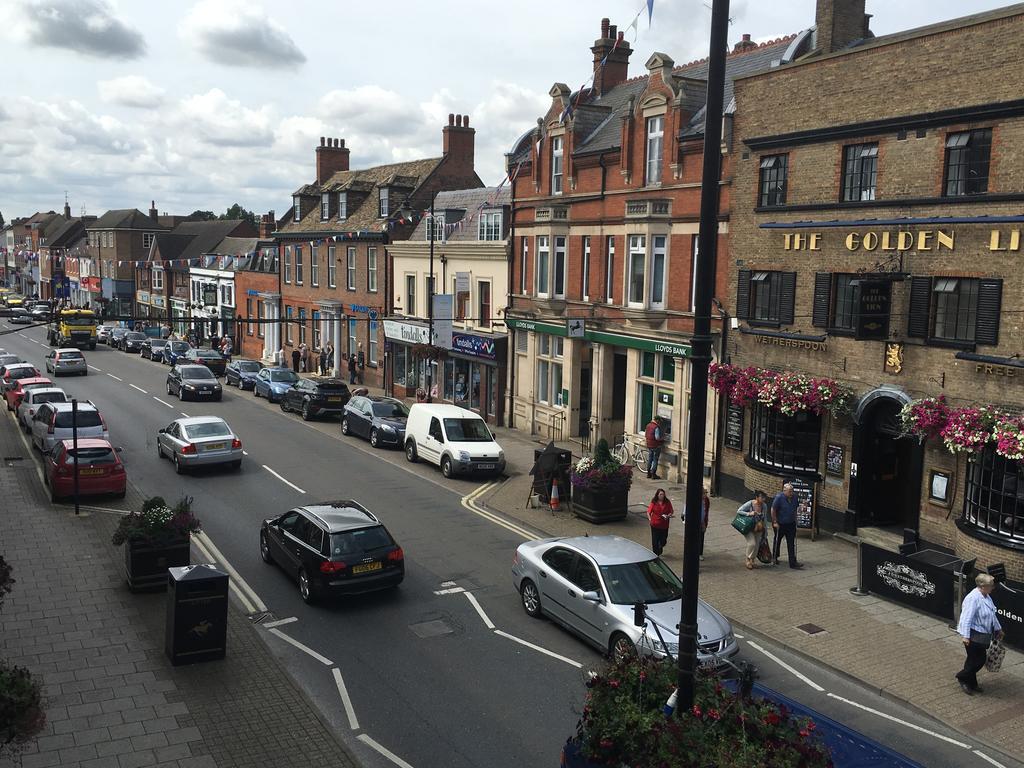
85, 419
248, 366
197, 372
648, 582
208, 354
71, 355
157, 343
207, 429
48, 397
119, 332
91, 456
359, 543
178, 347
23, 373
283, 376
8, 359
467, 431
390, 410
134, 336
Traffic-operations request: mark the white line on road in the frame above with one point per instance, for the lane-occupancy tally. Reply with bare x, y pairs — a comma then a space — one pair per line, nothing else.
23, 335
235, 575
98, 370
988, 759
545, 651
447, 583
115, 378
785, 666
346, 702
304, 648
286, 482
139, 388
162, 402
279, 622
449, 591
243, 598
245, 453
183, 414
472, 599
384, 751
901, 722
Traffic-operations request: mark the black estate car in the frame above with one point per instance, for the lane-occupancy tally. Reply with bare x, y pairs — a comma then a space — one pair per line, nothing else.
336, 547
193, 382
132, 341
381, 420
316, 396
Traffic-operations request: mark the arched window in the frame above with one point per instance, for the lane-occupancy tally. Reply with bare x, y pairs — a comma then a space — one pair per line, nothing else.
994, 501
785, 442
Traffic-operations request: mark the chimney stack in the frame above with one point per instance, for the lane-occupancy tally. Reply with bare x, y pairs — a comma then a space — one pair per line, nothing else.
839, 23
745, 44
457, 142
267, 226
614, 51
331, 158
67, 210
153, 214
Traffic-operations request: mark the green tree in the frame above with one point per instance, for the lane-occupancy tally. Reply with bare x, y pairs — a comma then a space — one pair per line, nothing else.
202, 215
238, 212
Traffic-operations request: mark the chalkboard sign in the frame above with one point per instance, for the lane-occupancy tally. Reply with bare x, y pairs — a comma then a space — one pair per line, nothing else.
734, 426
834, 460
804, 491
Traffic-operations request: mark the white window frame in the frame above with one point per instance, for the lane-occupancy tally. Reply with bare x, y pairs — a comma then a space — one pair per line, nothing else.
656, 289
371, 352
484, 320
435, 228
302, 325
550, 349
384, 202
353, 335
542, 270
158, 278
227, 294
299, 276
350, 268
325, 206
342, 205
314, 266
297, 208
288, 264
557, 164
371, 269
559, 267
289, 324
586, 268
332, 266
609, 269
637, 253
655, 150
490, 226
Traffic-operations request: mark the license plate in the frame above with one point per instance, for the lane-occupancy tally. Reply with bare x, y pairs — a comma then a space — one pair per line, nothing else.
216, 446
90, 472
202, 391
334, 399
367, 567
485, 466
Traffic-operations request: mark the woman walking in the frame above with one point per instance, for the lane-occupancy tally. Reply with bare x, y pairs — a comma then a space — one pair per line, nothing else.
659, 513
755, 509
978, 626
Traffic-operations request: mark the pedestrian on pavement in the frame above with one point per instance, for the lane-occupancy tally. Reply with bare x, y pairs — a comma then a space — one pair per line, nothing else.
296, 359
979, 625
659, 512
784, 508
361, 362
755, 509
304, 357
351, 369
655, 438
705, 510
227, 347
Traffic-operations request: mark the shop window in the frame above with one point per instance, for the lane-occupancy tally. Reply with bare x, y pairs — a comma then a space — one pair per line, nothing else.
766, 298
860, 172
967, 162
668, 368
994, 498
483, 315
549, 369
462, 382
774, 171
955, 310
647, 362
785, 442
655, 390
399, 364
317, 338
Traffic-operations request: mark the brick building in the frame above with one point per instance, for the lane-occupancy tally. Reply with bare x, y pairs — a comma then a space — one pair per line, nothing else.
875, 239
257, 277
117, 241
606, 201
332, 245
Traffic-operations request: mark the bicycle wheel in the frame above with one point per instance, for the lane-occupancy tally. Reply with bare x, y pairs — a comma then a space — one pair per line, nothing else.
640, 458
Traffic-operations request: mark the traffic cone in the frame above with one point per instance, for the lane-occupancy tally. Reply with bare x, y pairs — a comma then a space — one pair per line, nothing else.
553, 499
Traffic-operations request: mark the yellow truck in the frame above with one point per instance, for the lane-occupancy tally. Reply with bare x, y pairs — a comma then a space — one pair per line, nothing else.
73, 328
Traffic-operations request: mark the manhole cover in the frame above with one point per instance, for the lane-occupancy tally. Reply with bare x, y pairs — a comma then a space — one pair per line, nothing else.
434, 628
810, 629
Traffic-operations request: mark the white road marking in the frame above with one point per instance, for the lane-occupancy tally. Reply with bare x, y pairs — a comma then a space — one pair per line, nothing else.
469, 502
245, 453
242, 597
988, 759
279, 622
304, 648
184, 414
115, 378
472, 599
787, 667
22, 335
98, 370
235, 575
738, 637
447, 583
449, 591
139, 388
384, 751
286, 482
537, 648
901, 722
346, 702
163, 402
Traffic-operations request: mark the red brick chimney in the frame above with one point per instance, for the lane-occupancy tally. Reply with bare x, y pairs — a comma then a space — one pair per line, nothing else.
458, 140
745, 44
267, 225
331, 157
614, 51
839, 23
153, 213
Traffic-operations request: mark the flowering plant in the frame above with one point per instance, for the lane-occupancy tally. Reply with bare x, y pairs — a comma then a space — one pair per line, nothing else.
1008, 435
602, 471
925, 418
158, 523
787, 392
968, 430
623, 723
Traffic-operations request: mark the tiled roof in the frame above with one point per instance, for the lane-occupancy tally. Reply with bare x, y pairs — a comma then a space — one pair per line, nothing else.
125, 218
192, 239
460, 204
69, 232
364, 216
170, 245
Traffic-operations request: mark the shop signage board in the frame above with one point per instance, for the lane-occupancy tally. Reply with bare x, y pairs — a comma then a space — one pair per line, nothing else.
874, 300
462, 282
834, 455
804, 490
142, 297
576, 327
601, 337
407, 332
913, 583
474, 346
157, 301
734, 426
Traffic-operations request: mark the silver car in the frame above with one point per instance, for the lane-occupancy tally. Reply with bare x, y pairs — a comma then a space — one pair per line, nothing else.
54, 422
589, 585
199, 441
33, 399
66, 361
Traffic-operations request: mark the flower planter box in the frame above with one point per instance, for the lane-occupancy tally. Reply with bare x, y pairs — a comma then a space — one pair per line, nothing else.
600, 506
146, 565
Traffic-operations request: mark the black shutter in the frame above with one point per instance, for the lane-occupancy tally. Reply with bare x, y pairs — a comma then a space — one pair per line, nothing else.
918, 314
990, 300
822, 299
787, 297
743, 295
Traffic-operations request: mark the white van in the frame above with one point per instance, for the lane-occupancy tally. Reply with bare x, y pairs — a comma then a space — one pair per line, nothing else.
455, 439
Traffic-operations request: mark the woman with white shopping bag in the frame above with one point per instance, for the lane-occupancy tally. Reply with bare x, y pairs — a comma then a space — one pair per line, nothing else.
979, 626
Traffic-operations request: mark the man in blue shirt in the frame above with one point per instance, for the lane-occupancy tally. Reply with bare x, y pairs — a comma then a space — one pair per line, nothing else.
784, 509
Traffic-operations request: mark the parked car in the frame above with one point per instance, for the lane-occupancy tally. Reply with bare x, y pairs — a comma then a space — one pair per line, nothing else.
195, 382
103, 333
116, 334
242, 373
53, 422
33, 399
316, 396
100, 470
17, 391
175, 350
273, 382
589, 585
20, 317
131, 341
66, 361
40, 310
153, 349
199, 441
210, 358
15, 371
379, 419
455, 439
337, 547
8, 358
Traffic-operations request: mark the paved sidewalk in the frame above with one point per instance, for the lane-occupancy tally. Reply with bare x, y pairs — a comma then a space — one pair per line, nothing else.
113, 699
903, 654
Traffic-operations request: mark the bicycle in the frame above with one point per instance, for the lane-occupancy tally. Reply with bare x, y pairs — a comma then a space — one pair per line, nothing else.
621, 453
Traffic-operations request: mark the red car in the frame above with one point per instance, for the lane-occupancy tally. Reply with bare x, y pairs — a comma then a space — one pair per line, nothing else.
16, 371
99, 469
16, 393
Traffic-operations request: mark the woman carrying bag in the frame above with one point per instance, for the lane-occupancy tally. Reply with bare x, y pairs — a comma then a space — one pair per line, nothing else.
750, 522
978, 627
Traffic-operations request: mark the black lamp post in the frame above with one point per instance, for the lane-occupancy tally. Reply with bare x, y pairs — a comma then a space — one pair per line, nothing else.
700, 358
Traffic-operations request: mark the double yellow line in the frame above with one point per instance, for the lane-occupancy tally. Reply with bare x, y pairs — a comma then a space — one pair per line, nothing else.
470, 502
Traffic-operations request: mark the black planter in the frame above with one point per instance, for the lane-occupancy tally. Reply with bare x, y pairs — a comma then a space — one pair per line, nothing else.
600, 506
146, 565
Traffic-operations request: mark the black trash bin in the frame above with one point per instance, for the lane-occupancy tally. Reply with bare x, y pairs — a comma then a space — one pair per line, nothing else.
197, 614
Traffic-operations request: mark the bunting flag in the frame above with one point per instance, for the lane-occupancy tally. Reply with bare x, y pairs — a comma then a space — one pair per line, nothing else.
650, 12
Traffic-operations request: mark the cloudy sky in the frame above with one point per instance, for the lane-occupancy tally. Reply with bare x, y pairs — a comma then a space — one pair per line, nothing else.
200, 104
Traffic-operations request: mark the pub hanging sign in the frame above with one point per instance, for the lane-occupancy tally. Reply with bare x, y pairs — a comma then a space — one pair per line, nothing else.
874, 301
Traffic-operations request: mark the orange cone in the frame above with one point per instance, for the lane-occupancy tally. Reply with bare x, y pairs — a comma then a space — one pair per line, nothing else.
553, 499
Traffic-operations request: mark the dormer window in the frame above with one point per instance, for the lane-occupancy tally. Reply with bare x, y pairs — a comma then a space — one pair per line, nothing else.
297, 208
490, 225
435, 228
325, 206
384, 206
342, 205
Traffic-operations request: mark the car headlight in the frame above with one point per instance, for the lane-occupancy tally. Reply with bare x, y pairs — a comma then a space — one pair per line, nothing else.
501, 455
464, 456
189, 386
387, 428
216, 387
730, 638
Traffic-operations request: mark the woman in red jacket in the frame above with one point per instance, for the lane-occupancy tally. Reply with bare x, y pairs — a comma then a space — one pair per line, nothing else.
659, 513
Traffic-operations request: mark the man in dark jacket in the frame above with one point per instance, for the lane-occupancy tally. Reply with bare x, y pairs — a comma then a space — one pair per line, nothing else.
784, 510
351, 369
654, 438
296, 357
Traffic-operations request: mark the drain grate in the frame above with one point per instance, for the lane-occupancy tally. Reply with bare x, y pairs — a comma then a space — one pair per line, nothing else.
261, 618
810, 629
434, 628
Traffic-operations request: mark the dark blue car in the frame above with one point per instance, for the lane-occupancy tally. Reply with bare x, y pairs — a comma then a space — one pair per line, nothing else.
174, 351
272, 383
242, 373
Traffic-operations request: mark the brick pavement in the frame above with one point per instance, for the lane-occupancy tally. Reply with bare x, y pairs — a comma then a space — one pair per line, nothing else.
113, 699
902, 654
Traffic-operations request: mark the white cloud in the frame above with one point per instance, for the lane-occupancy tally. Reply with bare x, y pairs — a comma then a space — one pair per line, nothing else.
88, 27
214, 118
131, 91
237, 34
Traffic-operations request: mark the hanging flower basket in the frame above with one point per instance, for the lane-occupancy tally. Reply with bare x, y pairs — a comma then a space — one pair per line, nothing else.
965, 430
925, 418
788, 392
